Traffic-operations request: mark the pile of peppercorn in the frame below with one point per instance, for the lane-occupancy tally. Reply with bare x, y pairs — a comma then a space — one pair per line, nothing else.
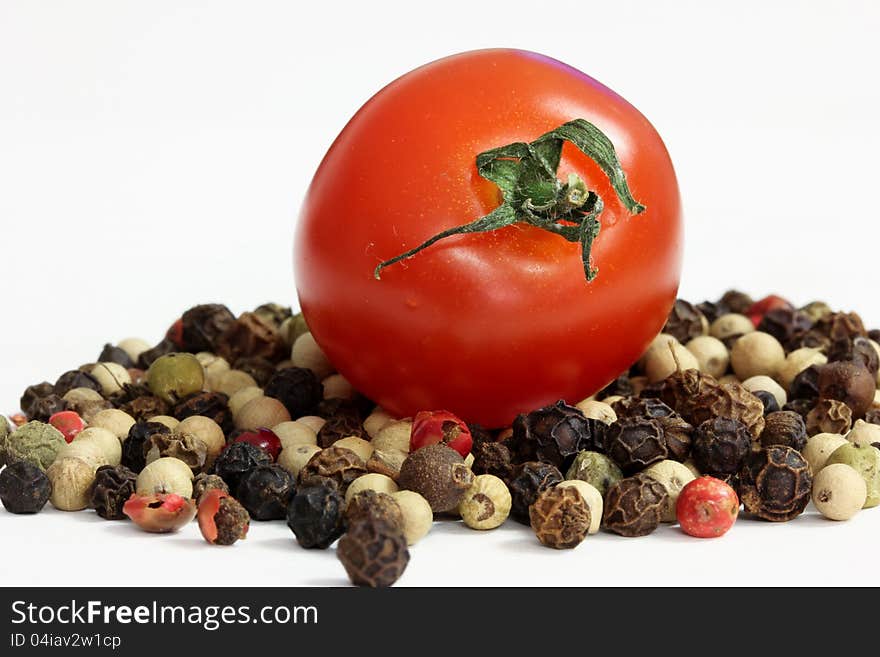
232, 419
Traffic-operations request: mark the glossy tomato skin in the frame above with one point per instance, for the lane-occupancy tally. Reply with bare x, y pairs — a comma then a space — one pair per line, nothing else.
487, 325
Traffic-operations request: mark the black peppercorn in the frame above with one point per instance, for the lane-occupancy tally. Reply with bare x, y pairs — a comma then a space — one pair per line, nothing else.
775, 483
24, 487
720, 445
785, 324
873, 416
528, 481
213, 405
273, 314
858, 349
148, 357
800, 406
45, 407
635, 506
265, 492
736, 301
685, 322
111, 354
133, 447
620, 386
479, 433
650, 407
341, 425
771, 404
297, 388
678, 436
841, 326
373, 553
553, 434
257, 366
75, 379
634, 443
33, 394
203, 325
249, 335
784, 428
112, 487
712, 310
492, 458
237, 460
314, 515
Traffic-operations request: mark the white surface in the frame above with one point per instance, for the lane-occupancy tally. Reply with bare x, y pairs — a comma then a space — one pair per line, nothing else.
153, 156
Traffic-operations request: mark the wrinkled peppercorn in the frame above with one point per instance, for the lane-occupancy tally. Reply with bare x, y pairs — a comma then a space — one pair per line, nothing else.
340, 426
148, 357
771, 404
111, 490
265, 492
250, 336
133, 447
213, 405
800, 406
678, 436
373, 553
775, 483
236, 461
24, 487
257, 366
375, 505
685, 322
32, 394
528, 481
491, 458
841, 326
829, 416
203, 325
560, 517
45, 407
620, 386
273, 314
338, 464
314, 515
553, 434
112, 354
784, 428
75, 379
858, 349
185, 447
205, 482
635, 443
811, 339
712, 310
698, 397
720, 445
231, 522
736, 301
297, 388
785, 324
143, 408
638, 407
634, 506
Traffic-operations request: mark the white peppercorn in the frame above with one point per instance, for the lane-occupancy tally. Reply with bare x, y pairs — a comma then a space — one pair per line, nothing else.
106, 440
767, 384
111, 377
261, 412
115, 421
593, 498
756, 353
839, 491
864, 433
711, 354
206, 430
294, 457
165, 475
231, 381
337, 386
167, 420
295, 432
486, 504
820, 447
597, 410
376, 420
314, 422
359, 446
242, 397
662, 361
637, 383
89, 451
730, 325
81, 395
306, 353
673, 476
213, 365
796, 362
71, 479
417, 515
134, 347
394, 436
371, 481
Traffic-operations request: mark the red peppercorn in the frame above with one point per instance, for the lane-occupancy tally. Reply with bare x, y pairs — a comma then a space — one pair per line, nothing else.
159, 513
175, 333
431, 427
69, 423
262, 438
758, 309
706, 507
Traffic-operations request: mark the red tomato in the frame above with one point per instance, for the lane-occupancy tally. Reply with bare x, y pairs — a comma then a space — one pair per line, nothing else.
706, 507
493, 324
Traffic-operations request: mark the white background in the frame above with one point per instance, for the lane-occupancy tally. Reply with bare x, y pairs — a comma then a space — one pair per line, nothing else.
153, 155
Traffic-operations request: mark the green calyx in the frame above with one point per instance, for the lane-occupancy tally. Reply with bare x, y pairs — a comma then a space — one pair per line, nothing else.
532, 194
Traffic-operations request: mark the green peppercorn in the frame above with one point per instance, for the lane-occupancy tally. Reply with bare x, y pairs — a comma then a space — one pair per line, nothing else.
174, 376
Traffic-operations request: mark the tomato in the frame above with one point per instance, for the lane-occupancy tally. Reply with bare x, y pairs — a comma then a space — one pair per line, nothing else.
492, 324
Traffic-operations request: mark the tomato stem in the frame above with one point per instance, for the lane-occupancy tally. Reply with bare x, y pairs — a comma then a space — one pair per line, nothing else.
532, 194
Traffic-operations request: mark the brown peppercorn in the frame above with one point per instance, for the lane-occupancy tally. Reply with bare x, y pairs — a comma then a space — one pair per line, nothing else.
203, 324
712, 310
553, 434
800, 406
872, 416
858, 349
75, 379
849, 382
811, 339
829, 416
437, 473
698, 397
775, 483
213, 405
678, 436
492, 458
186, 447
258, 367
150, 356
343, 424
720, 445
142, 408
249, 335
785, 324
33, 394
637, 407
685, 322
205, 482
784, 428
45, 407
373, 505
634, 506
338, 464
231, 520
635, 443
560, 517
373, 552
805, 384
841, 326
528, 481
112, 487
736, 301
